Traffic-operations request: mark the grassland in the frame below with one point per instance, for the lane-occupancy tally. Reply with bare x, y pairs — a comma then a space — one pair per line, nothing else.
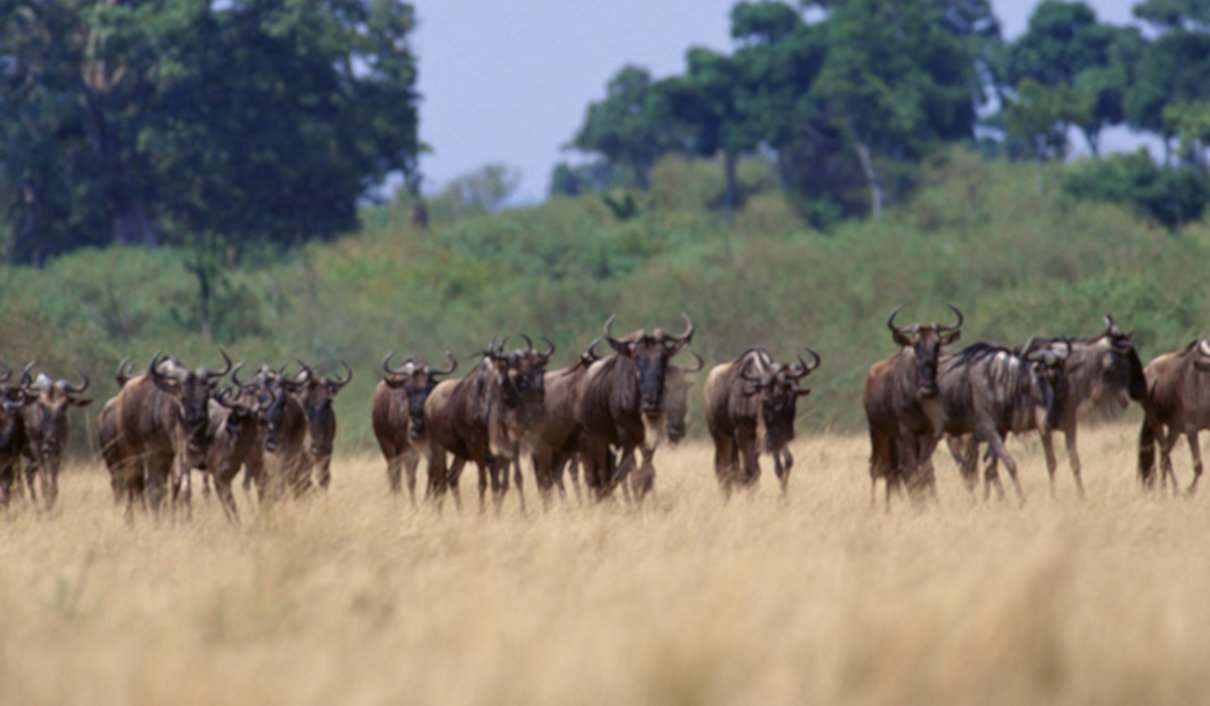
355, 598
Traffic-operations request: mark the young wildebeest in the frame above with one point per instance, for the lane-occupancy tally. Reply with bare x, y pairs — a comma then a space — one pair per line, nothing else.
988, 391
1177, 403
46, 430
622, 404
157, 429
279, 461
315, 394
13, 441
233, 429
464, 418
397, 413
514, 424
751, 403
1102, 371
902, 407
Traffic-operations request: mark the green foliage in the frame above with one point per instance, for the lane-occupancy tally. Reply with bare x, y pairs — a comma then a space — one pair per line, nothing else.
1171, 197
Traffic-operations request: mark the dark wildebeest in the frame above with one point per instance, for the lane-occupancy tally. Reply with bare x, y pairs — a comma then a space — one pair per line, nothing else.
554, 446
751, 403
1177, 403
13, 442
903, 409
622, 404
988, 391
483, 419
234, 435
157, 429
46, 430
397, 413
278, 461
1103, 371
315, 394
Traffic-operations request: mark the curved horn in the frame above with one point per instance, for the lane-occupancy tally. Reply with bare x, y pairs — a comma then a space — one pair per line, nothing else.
235, 376
608, 328
227, 366
890, 322
550, 348
123, 373
700, 364
386, 365
743, 373
808, 369
591, 353
77, 389
529, 344
1027, 347
956, 326
1110, 324
222, 398
25, 376
453, 365
304, 370
347, 378
687, 336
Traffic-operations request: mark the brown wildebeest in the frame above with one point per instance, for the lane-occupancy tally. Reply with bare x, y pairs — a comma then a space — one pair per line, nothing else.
554, 444
988, 391
1177, 404
397, 414
233, 430
516, 421
903, 409
315, 394
622, 404
1103, 371
46, 430
278, 461
13, 442
751, 403
157, 428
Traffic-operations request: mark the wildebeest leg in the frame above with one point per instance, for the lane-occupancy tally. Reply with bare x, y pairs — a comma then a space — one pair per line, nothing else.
1052, 464
410, 460
323, 472
514, 459
222, 488
483, 481
995, 442
1196, 450
968, 461
6, 483
643, 480
1167, 442
724, 451
782, 470
573, 470
1073, 456
31, 472
206, 487
182, 488
158, 474
395, 473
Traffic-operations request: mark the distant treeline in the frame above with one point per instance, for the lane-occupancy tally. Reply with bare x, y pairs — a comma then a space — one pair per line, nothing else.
848, 96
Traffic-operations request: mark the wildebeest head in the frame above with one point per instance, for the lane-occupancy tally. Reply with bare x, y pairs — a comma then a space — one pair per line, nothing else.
778, 390
416, 379
315, 394
925, 341
243, 413
650, 353
13, 401
1120, 368
522, 376
676, 399
1048, 367
192, 391
46, 419
279, 390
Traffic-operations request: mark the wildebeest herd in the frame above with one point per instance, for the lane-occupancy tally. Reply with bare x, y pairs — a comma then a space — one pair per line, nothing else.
605, 414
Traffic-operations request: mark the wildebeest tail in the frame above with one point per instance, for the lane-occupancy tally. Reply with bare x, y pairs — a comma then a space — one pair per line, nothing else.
1146, 453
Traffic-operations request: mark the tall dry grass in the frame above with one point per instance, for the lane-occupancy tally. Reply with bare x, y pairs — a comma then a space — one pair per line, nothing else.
354, 598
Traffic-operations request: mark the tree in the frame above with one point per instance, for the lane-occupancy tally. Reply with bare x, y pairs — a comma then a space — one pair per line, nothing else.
632, 126
250, 118
1175, 15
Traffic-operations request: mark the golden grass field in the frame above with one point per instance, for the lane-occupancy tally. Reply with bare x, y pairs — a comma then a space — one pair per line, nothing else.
356, 599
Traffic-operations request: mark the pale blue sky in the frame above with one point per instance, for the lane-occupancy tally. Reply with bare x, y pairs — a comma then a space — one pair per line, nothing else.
509, 82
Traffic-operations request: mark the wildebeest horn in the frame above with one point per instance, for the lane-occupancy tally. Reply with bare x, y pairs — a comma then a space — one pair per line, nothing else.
550, 348
591, 353
8, 373
77, 389
608, 328
153, 369
347, 379
227, 366
386, 365
26, 378
235, 376
687, 336
956, 326
1025, 349
221, 398
453, 365
890, 322
304, 370
529, 344
808, 369
700, 363
123, 372
743, 373
1110, 324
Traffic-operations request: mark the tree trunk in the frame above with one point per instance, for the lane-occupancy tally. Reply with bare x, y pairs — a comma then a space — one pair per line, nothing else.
132, 226
730, 194
871, 176
1093, 138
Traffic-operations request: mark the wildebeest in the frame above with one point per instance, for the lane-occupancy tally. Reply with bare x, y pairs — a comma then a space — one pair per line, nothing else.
1177, 403
315, 394
397, 414
233, 429
621, 404
751, 403
554, 443
13, 441
157, 428
988, 391
46, 430
482, 418
903, 409
278, 461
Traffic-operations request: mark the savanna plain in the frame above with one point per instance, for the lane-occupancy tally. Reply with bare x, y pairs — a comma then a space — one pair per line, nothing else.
357, 598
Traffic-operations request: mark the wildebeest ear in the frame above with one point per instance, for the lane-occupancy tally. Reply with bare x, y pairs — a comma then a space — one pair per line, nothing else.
81, 401
950, 336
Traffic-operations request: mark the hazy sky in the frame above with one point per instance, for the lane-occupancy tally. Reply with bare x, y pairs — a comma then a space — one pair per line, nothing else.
509, 82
